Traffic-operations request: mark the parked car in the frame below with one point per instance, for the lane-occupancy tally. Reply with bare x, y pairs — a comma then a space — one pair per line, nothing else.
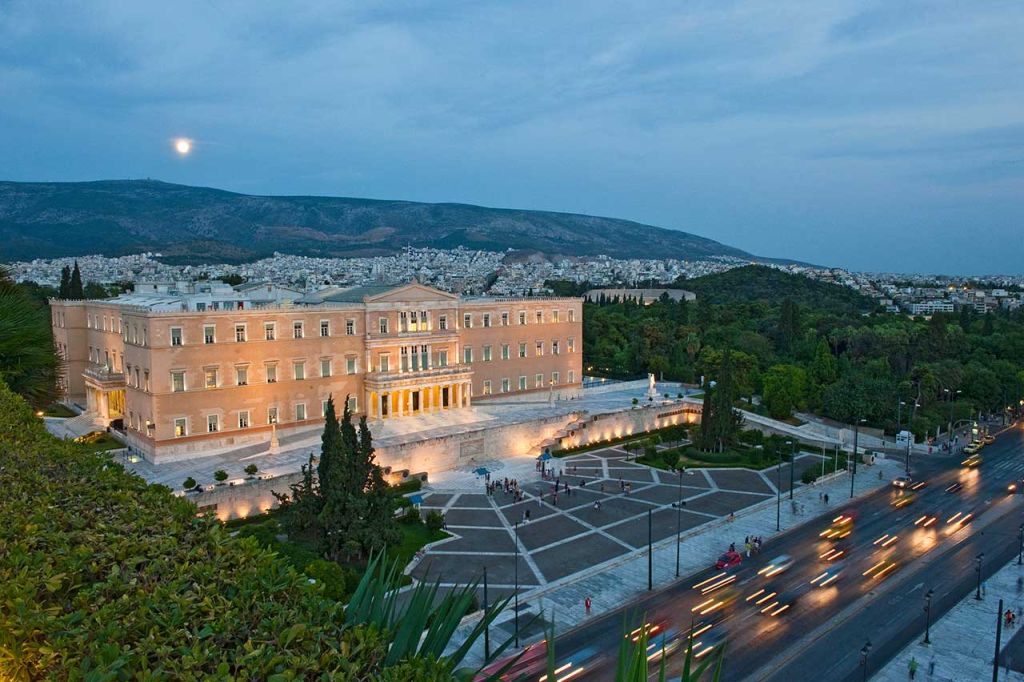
728, 560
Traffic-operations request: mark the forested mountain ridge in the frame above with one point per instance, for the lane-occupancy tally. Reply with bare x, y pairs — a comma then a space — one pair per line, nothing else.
199, 224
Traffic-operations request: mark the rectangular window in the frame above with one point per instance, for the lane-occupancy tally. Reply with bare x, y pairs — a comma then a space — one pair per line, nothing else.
384, 362
522, 317
350, 365
538, 380
424, 357
554, 377
403, 321
242, 376
353, 404
554, 347
522, 349
209, 334
299, 370
239, 332
297, 329
403, 361
522, 383
504, 319
467, 321
383, 322
300, 412
487, 353
487, 386
572, 376
271, 373
145, 336
323, 408
325, 368
271, 415
442, 358
504, 385
554, 316
146, 377
177, 382
572, 315
212, 423
540, 348
487, 319
325, 327
504, 351
540, 317
211, 378
175, 336
350, 327
570, 345
442, 322
180, 427
269, 331
467, 354
243, 419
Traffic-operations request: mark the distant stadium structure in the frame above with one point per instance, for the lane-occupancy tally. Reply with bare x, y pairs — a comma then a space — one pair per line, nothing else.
648, 296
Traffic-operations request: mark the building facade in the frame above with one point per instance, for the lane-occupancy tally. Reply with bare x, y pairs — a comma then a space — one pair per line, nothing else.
188, 383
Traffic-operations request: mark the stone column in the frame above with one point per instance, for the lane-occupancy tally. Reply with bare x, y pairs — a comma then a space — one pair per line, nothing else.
469, 394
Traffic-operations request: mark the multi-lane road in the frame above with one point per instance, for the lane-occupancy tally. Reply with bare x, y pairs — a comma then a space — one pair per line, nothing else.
822, 635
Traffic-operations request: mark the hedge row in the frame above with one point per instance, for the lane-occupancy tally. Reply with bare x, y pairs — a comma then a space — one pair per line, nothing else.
105, 577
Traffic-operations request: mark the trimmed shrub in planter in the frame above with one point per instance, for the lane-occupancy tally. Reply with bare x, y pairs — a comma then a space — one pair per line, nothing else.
434, 521
189, 483
220, 476
251, 470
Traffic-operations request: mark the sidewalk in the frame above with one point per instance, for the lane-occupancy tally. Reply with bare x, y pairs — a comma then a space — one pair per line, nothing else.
624, 579
964, 639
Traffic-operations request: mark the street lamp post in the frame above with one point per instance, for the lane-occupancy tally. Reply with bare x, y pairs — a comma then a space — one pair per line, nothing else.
650, 550
516, 606
853, 471
1020, 545
977, 569
864, 660
487, 630
899, 414
928, 616
778, 494
792, 464
679, 517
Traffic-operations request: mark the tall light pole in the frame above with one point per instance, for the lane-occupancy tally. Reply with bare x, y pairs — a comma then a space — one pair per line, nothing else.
487, 629
977, 569
928, 616
650, 550
778, 493
516, 607
792, 464
864, 660
1020, 545
679, 517
856, 433
899, 413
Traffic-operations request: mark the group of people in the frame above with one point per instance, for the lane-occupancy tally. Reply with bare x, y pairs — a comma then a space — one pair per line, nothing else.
752, 544
1010, 618
510, 486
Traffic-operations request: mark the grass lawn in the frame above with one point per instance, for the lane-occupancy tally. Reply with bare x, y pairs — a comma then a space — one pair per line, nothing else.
98, 441
692, 457
58, 410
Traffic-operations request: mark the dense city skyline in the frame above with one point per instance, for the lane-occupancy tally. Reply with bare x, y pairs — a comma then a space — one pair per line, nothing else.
871, 137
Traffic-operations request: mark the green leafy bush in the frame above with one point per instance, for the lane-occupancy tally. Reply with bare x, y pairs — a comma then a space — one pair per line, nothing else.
103, 576
435, 521
220, 475
251, 470
189, 483
809, 476
411, 516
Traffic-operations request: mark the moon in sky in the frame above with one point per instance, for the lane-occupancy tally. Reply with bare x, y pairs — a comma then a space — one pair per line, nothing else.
183, 145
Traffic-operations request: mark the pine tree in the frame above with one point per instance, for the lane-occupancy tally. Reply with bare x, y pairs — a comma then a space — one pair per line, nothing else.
64, 291
75, 290
789, 325
301, 509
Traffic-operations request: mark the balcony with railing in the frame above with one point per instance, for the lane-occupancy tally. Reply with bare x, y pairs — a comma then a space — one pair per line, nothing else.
104, 376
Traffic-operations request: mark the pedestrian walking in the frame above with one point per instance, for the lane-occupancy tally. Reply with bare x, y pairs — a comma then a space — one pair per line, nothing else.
587, 603
597, 505
913, 667
526, 513
826, 498
747, 546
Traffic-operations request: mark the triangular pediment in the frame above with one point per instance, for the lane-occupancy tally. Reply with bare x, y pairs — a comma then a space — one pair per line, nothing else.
411, 293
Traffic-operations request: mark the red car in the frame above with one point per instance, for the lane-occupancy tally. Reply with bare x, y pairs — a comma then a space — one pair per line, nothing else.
729, 559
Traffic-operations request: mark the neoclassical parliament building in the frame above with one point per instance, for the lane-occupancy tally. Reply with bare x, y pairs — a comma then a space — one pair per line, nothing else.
195, 369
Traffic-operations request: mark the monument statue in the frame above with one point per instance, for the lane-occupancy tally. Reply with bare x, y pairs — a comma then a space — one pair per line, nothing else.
652, 391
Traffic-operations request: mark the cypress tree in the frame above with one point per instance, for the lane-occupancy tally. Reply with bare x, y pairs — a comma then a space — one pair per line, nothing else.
64, 291
379, 525
75, 290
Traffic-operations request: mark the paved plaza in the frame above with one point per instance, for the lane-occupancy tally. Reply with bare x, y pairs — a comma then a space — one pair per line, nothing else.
613, 508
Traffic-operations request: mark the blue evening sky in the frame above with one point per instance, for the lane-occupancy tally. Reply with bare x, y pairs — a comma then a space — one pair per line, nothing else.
872, 135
